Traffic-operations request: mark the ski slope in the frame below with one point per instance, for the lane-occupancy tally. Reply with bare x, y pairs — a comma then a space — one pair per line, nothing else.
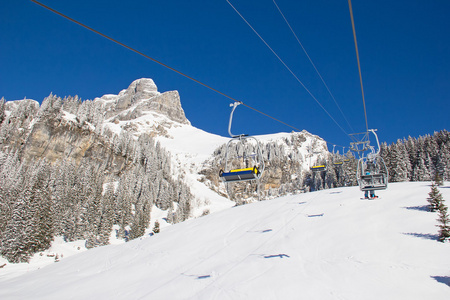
328, 244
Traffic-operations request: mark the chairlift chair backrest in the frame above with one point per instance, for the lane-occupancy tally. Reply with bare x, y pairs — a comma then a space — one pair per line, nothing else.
252, 171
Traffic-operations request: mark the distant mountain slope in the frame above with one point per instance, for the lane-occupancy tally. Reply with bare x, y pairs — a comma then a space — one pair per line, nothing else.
322, 245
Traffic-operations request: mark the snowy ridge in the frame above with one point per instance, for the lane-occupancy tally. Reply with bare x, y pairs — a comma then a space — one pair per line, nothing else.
321, 245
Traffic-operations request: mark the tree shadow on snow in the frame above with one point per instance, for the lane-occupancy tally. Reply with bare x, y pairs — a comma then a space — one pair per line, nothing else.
197, 276
427, 236
260, 231
442, 279
314, 216
277, 255
419, 207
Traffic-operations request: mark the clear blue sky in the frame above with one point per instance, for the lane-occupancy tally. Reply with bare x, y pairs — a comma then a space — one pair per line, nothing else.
404, 48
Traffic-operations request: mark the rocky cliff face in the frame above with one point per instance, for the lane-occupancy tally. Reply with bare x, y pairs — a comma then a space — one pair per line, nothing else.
74, 130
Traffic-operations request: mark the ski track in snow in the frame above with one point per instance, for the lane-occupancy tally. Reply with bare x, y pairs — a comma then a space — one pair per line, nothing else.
328, 244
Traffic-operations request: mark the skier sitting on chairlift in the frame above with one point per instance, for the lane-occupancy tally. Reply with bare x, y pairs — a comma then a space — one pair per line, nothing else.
370, 167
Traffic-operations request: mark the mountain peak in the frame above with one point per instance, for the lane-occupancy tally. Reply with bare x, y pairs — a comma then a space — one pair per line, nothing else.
146, 87
142, 96
139, 89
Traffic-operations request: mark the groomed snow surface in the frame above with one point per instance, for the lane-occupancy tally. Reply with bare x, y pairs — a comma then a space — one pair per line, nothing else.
322, 245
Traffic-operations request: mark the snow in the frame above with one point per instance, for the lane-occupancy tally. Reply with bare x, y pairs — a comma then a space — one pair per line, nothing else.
59, 250
328, 244
69, 117
190, 148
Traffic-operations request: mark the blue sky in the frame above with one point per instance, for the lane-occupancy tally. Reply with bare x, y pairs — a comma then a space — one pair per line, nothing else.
404, 48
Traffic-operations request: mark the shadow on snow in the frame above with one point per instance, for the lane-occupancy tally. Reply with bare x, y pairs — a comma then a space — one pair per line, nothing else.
419, 208
427, 236
442, 279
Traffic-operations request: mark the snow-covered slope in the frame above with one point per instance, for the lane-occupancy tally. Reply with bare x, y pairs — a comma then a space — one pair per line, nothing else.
321, 245
190, 148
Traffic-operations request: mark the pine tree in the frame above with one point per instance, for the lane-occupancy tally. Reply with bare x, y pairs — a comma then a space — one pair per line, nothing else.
156, 227
41, 208
438, 179
2, 110
16, 240
399, 166
107, 217
435, 198
444, 223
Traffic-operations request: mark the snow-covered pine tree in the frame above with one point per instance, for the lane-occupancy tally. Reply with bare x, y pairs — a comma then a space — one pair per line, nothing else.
107, 215
41, 208
16, 240
438, 179
443, 161
84, 112
71, 104
397, 162
50, 107
420, 170
4, 212
2, 109
156, 227
444, 223
435, 198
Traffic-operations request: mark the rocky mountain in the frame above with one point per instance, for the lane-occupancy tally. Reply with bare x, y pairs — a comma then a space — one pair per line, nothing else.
101, 131
114, 161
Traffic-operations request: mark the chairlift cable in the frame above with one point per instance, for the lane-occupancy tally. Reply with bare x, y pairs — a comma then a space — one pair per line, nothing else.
130, 48
290, 71
359, 65
162, 64
314, 66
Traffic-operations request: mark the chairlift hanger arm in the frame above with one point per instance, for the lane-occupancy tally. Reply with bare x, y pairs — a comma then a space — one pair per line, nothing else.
234, 105
376, 137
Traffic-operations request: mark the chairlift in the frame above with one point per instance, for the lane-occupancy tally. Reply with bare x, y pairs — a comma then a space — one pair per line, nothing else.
319, 168
242, 167
316, 168
336, 162
372, 173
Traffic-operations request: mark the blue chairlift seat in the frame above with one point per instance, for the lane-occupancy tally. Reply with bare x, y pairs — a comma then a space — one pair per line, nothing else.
318, 168
240, 174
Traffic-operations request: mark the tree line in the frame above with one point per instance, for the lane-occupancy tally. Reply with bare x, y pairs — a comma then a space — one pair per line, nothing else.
418, 159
